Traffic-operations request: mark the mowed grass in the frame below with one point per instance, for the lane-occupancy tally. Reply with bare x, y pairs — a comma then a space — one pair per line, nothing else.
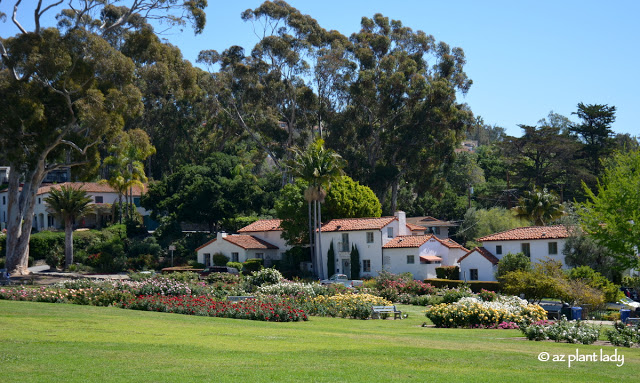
41, 342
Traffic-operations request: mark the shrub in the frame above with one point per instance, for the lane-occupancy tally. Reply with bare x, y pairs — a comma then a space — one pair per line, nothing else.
448, 272
184, 276
251, 265
476, 286
274, 311
513, 262
471, 312
237, 265
267, 276
455, 294
356, 306
624, 335
41, 243
220, 259
285, 288
562, 330
598, 281
55, 256
487, 296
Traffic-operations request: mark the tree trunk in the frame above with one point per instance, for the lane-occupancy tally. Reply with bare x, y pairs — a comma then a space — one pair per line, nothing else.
394, 195
20, 220
311, 237
68, 242
320, 265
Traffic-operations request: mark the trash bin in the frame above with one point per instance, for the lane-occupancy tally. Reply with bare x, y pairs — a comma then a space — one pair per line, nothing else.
576, 313
624, 315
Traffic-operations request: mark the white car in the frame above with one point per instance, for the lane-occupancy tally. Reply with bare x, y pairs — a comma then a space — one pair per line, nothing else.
342, 279
624, 303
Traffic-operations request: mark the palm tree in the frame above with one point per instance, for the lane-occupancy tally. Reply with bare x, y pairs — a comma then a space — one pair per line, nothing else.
69, 204
539, 206
318, 167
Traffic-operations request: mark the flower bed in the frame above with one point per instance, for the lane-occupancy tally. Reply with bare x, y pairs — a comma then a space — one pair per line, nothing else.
473, 313
624, 335
344, 305
204, 306
562, 330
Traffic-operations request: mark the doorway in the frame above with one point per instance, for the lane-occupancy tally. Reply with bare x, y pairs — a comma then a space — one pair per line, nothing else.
346, 268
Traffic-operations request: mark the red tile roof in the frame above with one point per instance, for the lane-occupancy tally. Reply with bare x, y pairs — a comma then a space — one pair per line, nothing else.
249, 242
528, 233
418, 240
404, 241
89, 187
262, 225
244, 241
484, 252
413, 227
354, 224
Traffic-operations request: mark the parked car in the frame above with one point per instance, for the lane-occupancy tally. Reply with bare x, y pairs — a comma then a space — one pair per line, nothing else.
218, 269
624, 303
342, 279
630, 293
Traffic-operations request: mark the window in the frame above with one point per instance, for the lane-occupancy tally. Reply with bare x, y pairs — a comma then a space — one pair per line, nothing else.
499, 249
526, 249
437, 230
136, 201
4, 200
366, 265
260, 255
207, 259
344, 245
553, 247
99, 199
390, 232
234, 257
369, 236
39, 201
410, 259
473, 274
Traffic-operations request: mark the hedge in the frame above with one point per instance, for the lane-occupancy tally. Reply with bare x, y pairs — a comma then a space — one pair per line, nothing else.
448, 272
476, 286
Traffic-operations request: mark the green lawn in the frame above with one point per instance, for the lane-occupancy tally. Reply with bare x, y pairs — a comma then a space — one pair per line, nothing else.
43, 342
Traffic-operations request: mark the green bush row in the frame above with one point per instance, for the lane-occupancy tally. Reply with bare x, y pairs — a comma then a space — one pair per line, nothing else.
476, 286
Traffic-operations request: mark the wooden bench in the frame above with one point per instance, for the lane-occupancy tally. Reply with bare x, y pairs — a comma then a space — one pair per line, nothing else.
385, 310
553, 311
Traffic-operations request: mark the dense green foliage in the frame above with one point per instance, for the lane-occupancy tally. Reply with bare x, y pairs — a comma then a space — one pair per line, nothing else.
611, 215
513, 262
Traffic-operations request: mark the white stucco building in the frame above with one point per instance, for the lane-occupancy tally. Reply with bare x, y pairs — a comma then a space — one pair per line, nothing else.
103, 197
261, 239
539, 243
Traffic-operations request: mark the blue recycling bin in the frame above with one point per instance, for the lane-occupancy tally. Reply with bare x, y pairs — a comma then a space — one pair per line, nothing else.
624, 315
576, 313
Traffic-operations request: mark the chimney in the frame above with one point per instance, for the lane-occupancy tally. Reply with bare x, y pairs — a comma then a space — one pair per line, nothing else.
220, 235
402, 222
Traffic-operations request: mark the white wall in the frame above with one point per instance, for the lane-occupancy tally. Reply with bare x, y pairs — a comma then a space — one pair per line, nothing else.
225, 247
539, 249
273, 237
449, 256
398, 262
371, 251
486, 270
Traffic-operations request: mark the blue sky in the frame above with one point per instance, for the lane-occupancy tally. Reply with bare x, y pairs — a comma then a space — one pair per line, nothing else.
525, 58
